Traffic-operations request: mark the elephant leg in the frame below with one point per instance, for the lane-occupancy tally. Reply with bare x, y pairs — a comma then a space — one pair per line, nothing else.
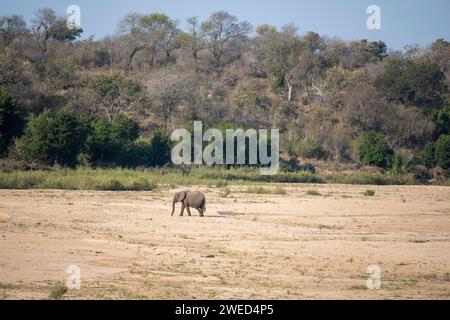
188, 210
182, 209
201, 212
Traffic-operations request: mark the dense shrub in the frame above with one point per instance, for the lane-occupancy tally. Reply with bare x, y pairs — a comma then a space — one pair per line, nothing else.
294, 165
161, 149
427, 157
374, 150
11, 121
308, 149
54, 138
111, 142
442, 151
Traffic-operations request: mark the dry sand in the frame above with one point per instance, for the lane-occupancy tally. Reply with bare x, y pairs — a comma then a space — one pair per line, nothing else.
249, 246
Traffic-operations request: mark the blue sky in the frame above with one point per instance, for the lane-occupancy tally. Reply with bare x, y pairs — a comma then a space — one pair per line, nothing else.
403, 21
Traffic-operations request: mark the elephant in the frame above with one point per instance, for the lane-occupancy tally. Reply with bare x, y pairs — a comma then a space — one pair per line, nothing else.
189, 199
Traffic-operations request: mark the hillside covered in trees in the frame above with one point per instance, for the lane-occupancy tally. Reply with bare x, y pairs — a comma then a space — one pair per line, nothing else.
115, 101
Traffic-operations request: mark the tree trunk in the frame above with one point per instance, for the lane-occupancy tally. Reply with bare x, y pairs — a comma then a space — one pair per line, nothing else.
133, 53
290, 89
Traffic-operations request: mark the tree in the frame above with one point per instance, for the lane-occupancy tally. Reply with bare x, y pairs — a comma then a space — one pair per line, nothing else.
43, 23
226, 37
374, 150
54, 138
314, 42
12, 28
111, 143
47, 26
363, 52
161, 148
115, 94
285, 57
441, 119
442, 151
13, 71
154, 33
11, 122
193, 39
62, 33
413, 83
169, 90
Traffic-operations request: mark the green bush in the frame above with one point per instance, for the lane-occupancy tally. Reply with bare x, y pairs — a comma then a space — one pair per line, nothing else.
373, 150
112, 143
396, 165
11, 121
442, 151
161, 147
141, 153
54, 138
369, 193
427, 157
441, 119
310, 149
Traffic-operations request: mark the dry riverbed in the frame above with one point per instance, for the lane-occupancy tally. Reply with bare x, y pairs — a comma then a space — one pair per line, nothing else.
249, 246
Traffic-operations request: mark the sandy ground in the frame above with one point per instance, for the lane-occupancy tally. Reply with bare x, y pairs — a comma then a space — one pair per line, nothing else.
249, 246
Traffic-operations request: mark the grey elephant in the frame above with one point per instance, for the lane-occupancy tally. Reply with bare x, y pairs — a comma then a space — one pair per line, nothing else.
196, 200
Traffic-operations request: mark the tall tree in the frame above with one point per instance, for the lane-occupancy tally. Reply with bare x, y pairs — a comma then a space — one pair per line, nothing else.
193, 39
285, 57
226, 37
154, 33
413, 83
11, 121
115, 94
12, 28
47, 26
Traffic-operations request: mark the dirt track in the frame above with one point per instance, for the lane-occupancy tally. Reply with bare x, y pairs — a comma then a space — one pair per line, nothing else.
249, 246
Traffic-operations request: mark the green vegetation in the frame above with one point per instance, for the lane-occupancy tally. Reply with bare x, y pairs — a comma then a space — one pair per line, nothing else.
369, 193
442, 151
68, 139
313, 193
114, 102
120, 179
11, 121
58, 290
373, 150
258, 190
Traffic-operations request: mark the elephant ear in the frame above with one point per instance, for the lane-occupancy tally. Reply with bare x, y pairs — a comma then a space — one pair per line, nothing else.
182, 196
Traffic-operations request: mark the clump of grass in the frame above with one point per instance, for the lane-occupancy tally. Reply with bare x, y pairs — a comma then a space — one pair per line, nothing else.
279, 191
58, 290
221, 184
447, 277
6, 286
112, 185
369, 193
143, 185
432, 276
359, 287
225, 193
313, 193
326, 227
258, 190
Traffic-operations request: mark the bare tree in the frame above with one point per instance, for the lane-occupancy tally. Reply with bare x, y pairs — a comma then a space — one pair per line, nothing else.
43, 23
193, 39
169, 90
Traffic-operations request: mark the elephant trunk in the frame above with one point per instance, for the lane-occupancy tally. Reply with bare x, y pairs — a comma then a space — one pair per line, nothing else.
173, 206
